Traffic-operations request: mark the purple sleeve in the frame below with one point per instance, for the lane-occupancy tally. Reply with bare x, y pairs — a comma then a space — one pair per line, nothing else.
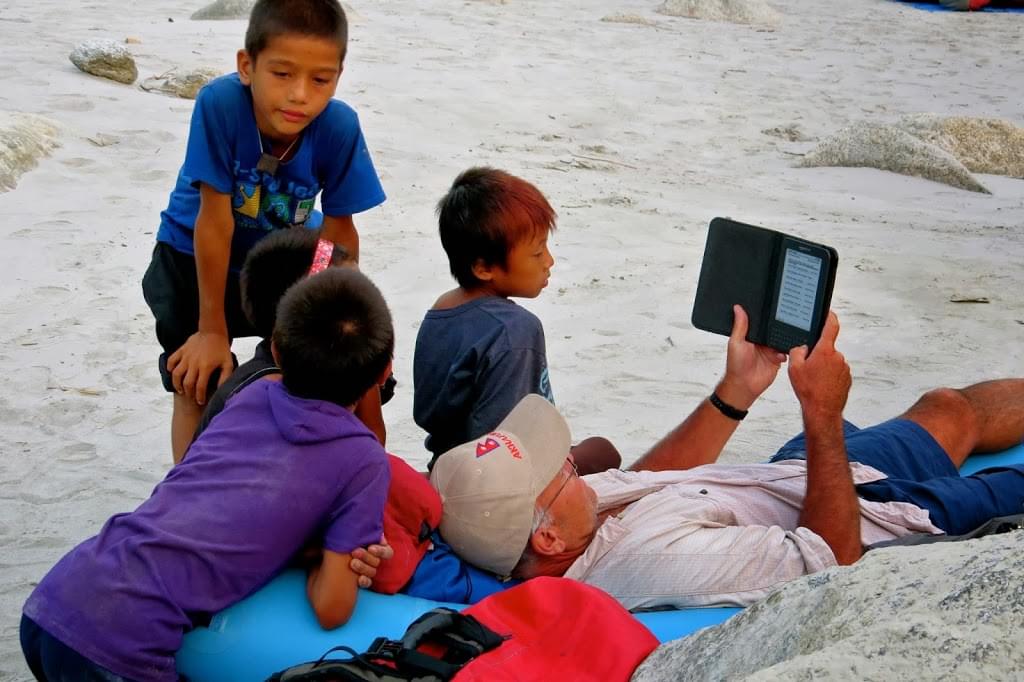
350, 182
358, 516
208, 156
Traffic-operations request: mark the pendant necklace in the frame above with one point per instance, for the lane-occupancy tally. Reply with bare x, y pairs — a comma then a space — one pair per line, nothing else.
268, 163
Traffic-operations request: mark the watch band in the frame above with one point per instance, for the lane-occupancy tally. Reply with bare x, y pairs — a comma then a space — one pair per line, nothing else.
726, 409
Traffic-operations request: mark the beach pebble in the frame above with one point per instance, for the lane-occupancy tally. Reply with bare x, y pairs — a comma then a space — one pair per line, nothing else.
887, 147
628, 19
734, 11
107, 59
184, 84
24, 139
224, 9
949, 610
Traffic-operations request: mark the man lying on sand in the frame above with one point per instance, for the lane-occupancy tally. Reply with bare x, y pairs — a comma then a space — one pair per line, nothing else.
680, 530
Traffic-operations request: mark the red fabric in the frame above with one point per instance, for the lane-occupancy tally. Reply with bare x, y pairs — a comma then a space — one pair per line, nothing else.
560, 629
411, 502
977, 4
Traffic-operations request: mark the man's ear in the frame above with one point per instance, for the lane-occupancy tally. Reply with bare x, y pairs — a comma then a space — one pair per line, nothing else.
546, 541
244, 64
482, 271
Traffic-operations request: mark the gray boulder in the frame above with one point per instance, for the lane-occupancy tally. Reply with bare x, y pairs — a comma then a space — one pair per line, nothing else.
24, 139
890, 148
107, 59
224, 9
184, 84
941, 611
734, 11
240, 9
983, 145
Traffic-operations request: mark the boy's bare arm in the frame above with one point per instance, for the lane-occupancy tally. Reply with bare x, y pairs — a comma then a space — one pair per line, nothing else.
342, 231
209, 348
332, 589
749, 370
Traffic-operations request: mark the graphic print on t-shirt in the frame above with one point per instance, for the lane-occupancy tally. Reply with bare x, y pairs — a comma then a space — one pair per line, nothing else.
264, 202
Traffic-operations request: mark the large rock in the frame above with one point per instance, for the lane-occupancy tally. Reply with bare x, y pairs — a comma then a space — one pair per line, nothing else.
735, 11
24, 139
887, 147
941, 611
983, 145
184, 84
240, 9
107, 59
225, 9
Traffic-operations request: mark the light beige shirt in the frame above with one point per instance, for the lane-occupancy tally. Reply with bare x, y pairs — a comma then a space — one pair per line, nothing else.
717, 534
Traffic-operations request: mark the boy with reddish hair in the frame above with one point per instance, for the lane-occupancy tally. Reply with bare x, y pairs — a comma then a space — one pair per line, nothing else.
477, 352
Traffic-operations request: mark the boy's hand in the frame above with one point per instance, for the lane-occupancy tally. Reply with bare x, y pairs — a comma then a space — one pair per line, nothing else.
822, 379
749, 368
366, 561
191, 365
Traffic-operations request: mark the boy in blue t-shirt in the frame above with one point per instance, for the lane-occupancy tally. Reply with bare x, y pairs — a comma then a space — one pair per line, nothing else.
477, 352
263, 143
285, 464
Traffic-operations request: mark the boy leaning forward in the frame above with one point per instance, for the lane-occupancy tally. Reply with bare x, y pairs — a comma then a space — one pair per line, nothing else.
263, 143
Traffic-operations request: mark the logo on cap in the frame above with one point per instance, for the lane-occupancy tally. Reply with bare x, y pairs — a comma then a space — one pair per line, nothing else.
489, 445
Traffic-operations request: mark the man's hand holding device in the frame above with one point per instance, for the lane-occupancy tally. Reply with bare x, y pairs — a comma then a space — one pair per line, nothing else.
784, 284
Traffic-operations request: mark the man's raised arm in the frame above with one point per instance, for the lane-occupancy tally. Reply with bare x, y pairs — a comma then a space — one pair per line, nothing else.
749, 370
821, 381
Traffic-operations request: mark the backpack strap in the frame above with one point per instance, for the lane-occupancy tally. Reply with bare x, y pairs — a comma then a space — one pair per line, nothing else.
999, 524
462, 636
465, 636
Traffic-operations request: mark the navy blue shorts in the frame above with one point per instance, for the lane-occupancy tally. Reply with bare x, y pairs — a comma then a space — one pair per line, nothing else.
920, 472
50, 659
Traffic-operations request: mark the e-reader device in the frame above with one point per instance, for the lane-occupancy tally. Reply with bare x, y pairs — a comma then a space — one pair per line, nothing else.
783, 282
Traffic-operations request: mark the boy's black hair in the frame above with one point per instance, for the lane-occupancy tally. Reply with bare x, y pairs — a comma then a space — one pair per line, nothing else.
334, 336
272, 18
486, 213
274, 264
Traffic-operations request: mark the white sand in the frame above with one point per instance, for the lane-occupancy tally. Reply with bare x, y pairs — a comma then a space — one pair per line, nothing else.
639, 134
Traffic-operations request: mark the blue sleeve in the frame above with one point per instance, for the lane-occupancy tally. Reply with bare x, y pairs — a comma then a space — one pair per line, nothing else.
443, 576
510, 371
208, 155
358, 518
350, 182
506, 379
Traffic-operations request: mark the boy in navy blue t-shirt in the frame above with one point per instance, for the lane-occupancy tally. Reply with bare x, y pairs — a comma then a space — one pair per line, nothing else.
477, 352
263, 143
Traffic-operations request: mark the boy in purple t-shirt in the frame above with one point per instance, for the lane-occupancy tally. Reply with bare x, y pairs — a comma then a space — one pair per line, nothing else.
285, 463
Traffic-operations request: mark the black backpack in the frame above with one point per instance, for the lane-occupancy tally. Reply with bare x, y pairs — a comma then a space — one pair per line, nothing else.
388, 660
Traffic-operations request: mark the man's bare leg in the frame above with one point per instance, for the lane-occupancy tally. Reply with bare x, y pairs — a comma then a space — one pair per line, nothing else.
985, 417
184, 420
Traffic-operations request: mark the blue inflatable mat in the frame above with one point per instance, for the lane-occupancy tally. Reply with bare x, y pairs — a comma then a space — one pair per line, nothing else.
275, 628
975, 463
936, 7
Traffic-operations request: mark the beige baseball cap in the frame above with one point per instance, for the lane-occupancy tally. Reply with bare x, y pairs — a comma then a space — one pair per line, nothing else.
489, 486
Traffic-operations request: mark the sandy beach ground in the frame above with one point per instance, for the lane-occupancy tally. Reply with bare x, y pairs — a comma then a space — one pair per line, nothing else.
639, 135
